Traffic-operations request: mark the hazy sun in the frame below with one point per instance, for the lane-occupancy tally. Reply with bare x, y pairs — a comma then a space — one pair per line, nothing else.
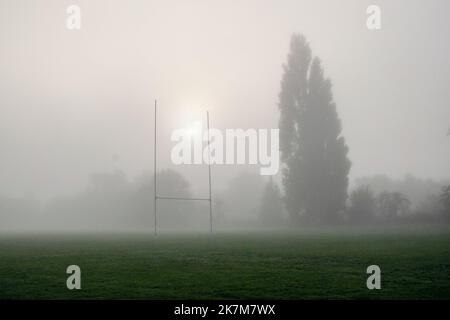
193, 129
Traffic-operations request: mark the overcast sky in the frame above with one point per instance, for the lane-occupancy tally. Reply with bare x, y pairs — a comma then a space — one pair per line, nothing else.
77, 102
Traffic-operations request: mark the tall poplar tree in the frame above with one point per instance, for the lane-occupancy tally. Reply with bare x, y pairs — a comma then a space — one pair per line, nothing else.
313, 151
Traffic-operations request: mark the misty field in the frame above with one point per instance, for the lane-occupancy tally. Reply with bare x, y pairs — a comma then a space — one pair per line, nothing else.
307, 264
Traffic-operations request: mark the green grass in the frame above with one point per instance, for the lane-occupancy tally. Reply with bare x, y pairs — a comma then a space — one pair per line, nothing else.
308, 264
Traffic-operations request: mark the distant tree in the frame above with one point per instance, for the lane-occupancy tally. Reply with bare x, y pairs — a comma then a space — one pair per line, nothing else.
314, 153
108, 182
416, 189
113, 202
271, 212
362, 205
173, 184
430, 206
175, 214
243, 196
445, 199
393, 204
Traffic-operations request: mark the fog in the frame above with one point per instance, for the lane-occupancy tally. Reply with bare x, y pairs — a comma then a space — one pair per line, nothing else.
78, 104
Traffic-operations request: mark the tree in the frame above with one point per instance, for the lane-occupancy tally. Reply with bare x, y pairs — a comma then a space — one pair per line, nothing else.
271, 205
362, 204
175, 214
445, 199
416, 189
313, 151
243, 196
112, 202
393, 204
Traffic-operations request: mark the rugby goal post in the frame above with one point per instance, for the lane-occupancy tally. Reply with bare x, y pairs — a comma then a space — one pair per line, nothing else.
158, 197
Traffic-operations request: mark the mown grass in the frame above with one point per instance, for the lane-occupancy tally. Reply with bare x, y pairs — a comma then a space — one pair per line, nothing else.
304, 264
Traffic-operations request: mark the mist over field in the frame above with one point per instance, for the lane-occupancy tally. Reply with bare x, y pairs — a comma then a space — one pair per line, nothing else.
363, 114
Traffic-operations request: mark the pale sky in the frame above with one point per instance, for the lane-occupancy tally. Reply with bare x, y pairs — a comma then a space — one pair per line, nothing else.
77, 102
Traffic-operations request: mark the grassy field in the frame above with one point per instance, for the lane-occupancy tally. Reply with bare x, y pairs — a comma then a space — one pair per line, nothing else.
307, 264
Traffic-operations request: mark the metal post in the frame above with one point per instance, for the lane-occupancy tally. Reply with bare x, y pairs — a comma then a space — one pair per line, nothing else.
154, 166
209, 175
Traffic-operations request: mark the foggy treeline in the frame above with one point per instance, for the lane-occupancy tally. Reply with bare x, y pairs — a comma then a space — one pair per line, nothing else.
112, 202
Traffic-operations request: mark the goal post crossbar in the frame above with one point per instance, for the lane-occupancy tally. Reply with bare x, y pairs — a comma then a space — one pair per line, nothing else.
179, 198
